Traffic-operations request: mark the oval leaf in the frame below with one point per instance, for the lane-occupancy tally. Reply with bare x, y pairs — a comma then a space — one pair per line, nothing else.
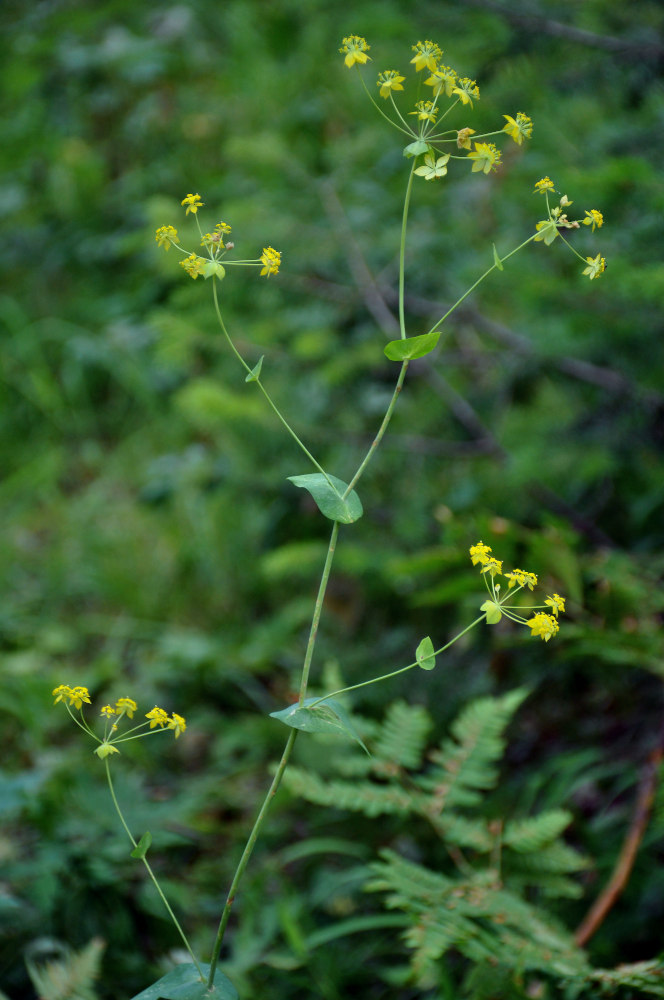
496, 259
412, 347
255, 372
424, 654
327, 717
492, 611
329, 496
143, 846
184, 983
417, 147
214, 267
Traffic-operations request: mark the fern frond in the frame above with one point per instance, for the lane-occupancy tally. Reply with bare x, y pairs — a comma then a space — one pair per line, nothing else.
70, 976
535, 832
403, 735
467, 766
361, 796
647, 977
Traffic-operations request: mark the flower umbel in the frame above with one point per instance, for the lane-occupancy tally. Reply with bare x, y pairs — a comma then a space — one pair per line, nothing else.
166, 236
596, 266
518, 128
486, 157
355, 48
426, 55
193, 203
388, 81
125, 707
544, 185
540, 624
595, 219
271, 261
193, 265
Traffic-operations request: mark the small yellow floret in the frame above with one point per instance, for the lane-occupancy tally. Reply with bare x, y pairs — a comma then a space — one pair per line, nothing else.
556, 603
355, 49
193, 203
157, 717
177, 723
595, 219
543, 625
479, 553
271, 261
522, 578
426, 55
545, 184
126, 705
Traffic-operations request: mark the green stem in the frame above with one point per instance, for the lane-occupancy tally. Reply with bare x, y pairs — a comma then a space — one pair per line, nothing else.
318, 608
151, 873
479, 280
381, 431
401, 670
402, 249
262, 388
246, 854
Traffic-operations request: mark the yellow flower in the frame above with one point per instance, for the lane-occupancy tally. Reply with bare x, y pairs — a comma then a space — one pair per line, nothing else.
388, 81
193, 265
193, 203
466, 89
165, 236
595, 218
107, 711
271, 261
486, 157
492, 566
556, 603
157, 717
543, 625
432, 167
177, 723
522, 577
426, 112
126, 705
596, 266
355, 47
463, 137
547, 230
61, 692
479, 553
442, 80
518, 128
426, 55
546, 184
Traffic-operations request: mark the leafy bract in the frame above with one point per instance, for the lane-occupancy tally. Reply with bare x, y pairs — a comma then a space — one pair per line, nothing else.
255, 372
492, 612
326, 717
409, 348
214, 267
328, 492
143, 846
496, 259
184, 983
424, 654
417, 147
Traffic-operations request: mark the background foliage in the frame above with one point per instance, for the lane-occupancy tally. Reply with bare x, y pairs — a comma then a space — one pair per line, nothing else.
151, 544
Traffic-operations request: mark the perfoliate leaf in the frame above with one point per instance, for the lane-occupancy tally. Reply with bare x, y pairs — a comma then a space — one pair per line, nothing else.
255, 372
143, 846
496, 259
329, 496
417, 147
327, 717
184, 983
214, 267
412, 347
424, 654
492, 611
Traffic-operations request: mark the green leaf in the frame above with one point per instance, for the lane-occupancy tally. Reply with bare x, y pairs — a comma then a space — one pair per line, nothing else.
328, 492
143, 846
417, 147
412, 347
255, 372
184, 983
492, 611
214, 267
424, 654
327, 717
496, 259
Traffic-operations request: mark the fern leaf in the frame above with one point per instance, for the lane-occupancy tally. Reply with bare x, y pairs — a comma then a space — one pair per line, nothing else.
536, 832
403, 735
467, 765
70, 976
361, 796
648, 977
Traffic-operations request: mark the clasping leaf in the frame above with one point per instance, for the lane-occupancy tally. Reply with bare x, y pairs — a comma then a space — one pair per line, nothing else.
424, 654
326, 717
328, 493
409, 348
184, 983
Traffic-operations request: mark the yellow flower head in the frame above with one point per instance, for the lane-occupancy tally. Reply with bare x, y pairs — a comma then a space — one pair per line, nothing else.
177, 723
518, 128
388, 81
522, 578
426, 55
479, 553
486, 157
193, 265
157, 717
556, 603
596, 266
443, 79
126, 705
166, 236
193, 203
466, 89
76, 696
492, 566
425, 111
543, 625
541, 187
108, 711
594, 218
271, 261
355, 48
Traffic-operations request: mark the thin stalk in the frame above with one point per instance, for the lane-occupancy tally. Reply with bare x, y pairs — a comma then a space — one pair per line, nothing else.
381, 431
401, 670
263, 389
402, 250
246, 854
151, 873
479, 280
318, 608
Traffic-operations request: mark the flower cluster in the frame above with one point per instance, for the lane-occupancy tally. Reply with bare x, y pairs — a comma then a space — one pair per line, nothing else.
446, 83
558, 223
216, 245
76, 697
542, 623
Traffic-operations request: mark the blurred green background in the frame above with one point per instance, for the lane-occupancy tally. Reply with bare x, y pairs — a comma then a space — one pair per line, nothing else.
151, 544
